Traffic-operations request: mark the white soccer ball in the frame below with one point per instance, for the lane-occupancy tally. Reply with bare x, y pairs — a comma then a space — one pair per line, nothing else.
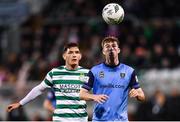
113, 13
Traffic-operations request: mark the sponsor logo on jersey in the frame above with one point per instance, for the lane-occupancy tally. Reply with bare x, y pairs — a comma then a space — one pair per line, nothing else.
112, 86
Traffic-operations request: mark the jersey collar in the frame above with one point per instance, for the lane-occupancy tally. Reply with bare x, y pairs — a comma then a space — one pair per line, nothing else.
111, 66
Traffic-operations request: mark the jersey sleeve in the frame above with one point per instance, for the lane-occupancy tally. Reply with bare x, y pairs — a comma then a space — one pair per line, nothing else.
35, 92
134, 83
48, 79
88, 85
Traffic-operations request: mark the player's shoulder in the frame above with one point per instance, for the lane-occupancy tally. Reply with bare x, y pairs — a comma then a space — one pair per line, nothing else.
97, 66
126, 66
57, 69
80, 68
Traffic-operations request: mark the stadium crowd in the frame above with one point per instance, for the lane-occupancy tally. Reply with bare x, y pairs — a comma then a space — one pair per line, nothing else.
149, 38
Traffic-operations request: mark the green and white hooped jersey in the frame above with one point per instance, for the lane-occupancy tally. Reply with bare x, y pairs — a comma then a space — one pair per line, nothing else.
67, 84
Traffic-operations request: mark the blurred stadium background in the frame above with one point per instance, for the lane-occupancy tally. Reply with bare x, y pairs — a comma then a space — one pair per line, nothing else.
33, 32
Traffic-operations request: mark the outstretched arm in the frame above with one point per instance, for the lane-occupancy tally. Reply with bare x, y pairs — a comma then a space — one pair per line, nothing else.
137, 93
85, 95
36, 91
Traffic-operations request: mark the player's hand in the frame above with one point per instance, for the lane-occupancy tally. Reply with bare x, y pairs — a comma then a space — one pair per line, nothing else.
133, 93
13, 106
100, 98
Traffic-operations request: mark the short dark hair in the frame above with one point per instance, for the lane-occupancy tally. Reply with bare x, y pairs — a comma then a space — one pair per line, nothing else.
69, 45
109, 39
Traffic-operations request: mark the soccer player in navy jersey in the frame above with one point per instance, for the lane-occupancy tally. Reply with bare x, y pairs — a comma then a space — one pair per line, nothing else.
50, 101
112, 82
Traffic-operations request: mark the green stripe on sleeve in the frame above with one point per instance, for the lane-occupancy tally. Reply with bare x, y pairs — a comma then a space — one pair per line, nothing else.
47, 82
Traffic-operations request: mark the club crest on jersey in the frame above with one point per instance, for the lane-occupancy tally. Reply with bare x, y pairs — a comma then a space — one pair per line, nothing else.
81, 74
83, 78
122, 75
101, 74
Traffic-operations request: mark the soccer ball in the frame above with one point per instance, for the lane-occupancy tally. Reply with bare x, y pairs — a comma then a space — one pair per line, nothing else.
113, 13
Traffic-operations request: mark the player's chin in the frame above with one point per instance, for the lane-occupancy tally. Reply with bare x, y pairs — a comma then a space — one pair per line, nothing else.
74, 63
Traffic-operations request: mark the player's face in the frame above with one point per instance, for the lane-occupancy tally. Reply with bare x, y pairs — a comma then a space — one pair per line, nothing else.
72, 56
111, 47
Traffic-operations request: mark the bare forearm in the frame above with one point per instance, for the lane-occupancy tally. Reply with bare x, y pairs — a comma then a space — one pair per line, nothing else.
85, 95
141, 97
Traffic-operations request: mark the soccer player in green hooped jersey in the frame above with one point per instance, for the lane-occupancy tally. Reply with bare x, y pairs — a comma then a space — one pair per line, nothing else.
66, 82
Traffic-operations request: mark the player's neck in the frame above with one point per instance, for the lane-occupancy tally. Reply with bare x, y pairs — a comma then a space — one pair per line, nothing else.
71, 67
115, 62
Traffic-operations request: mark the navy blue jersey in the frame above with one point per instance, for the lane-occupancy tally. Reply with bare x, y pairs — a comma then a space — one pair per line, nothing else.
51, 97
115, 83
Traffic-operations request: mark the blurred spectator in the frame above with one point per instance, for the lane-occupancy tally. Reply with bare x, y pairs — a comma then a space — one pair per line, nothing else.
172, 55
152, 43
17, 115
173, 105
37, 117
157, 55
153, 109
3, 74
141, 57
126, 55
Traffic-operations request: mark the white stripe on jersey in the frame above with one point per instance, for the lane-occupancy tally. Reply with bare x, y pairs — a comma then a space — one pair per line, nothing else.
61, 119
45, 85
65, 70
49, 78
65, 77
66, 94
62, 111
70, 102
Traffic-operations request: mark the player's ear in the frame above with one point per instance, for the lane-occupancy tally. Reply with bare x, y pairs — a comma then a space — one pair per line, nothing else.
64, 56
103, 52
80, 56
119, 50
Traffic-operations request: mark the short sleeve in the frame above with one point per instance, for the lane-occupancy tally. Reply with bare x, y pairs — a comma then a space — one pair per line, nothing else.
134, 82
88, 85
48, 79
